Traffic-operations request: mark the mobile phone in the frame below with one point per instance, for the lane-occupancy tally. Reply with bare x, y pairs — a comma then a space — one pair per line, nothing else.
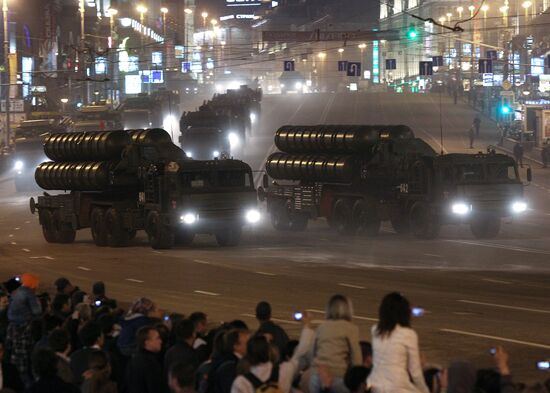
167, 317
417, 311
493, 351
298, 316
98, 303
543, 365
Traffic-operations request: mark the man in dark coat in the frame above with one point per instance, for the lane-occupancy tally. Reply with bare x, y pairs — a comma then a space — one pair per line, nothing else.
92, 340
223, 370
144, 373
44, 363
182, 351
278, 336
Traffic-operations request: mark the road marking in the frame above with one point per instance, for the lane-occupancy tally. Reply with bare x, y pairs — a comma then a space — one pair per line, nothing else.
389, 268
206, 293
17, 228
434, 255
27, 222
343, 284
510, 340
86, 269
201, 261
157, 252
26, 249
266, 273
13, 243
501, 246
133, 280
287, 321
354, 317
537, 310
10, 235
43, 257
495, 281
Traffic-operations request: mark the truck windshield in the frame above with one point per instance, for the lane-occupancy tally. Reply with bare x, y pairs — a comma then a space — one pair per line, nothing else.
469, 173
502, 172
217, 179
487, 173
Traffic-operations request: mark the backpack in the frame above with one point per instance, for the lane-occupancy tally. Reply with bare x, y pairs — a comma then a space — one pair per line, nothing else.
269, 386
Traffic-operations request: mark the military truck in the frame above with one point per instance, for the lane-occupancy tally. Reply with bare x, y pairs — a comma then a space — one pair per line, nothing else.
28, 141
121, 182
358, 176
96, 117
206, 143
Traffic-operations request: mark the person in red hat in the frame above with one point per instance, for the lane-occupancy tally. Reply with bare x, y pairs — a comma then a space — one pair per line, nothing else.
24, 307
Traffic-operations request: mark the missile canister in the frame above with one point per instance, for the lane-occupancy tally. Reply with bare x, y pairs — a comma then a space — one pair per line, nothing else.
150, 136
86, 146
336, 139
337, 168
78, 176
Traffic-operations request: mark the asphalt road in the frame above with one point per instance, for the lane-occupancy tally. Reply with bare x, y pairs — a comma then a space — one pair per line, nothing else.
476, 293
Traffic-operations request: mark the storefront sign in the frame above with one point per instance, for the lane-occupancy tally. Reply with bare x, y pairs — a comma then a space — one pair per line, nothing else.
488, 79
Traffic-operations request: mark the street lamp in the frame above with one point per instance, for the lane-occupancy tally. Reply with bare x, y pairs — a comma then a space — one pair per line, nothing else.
204, 16
7, 70
164, 11
526, 5
442, 20
504, 10
321, 55
485, 8
471, 9
460, 10
449, 15
340, 50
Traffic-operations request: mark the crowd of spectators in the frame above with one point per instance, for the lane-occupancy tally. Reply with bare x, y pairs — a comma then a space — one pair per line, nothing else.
73, 341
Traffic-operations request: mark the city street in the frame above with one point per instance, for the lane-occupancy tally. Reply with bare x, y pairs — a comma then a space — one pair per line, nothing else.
476, 293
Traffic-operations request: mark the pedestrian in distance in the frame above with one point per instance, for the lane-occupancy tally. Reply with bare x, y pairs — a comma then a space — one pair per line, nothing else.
477, 124
396, 366
471, 136
545, 153
518, 153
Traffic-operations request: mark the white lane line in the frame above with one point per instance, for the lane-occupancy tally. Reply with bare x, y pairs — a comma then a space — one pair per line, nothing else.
17, 228
26, 250
510, 340
343, 284
133, 280
86, 269
496, 281
395, 269
501, 246
13, 243
206, 293
43, 257
10, 235
157, 252
287, 321
265, 273
27, 222
537, 310
201, 261
434, 255
313, 310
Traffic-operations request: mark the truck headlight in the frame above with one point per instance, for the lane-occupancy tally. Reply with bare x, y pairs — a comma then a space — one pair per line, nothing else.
234, 139
189, 218
519, 207
298, 85
460, 208
215, 154
253, 216
18, 165
189, 154
252, 118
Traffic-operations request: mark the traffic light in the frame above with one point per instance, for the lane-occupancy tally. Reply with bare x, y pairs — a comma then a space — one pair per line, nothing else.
412, 33
505, 109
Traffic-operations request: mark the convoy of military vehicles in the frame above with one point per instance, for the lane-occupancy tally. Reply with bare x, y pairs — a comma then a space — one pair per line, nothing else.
121, 173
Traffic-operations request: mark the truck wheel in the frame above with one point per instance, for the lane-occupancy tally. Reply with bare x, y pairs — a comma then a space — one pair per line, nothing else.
229, 237
48, 230
184, 237
160, 236
280, 219
64, 232
116, 234
97, 226
401, 225
298, 222
342, 218
365, 217
485, 227
424, 223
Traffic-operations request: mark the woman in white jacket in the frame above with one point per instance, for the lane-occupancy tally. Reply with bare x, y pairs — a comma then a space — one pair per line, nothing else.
396, 359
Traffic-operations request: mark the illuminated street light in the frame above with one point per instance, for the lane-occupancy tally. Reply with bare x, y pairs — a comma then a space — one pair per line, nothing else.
214, 22
460, 10
526, 5
449, 15
362, 46
164, 10
188, 11
442, 20
471, 9
141, 9
204, 16
485, 8
340, 50
321, 55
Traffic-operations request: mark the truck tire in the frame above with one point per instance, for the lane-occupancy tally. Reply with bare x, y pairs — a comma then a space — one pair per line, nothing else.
64, 232
342, 218
298, 222
485, 227
280, 217
401, 224
424, 223
116, 234
184, 237
97, 226
229, 237
365, 217
160, 236
48, 230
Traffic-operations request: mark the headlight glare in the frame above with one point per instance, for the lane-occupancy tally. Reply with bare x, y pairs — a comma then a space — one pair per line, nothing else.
253, 216
519, 207
215, 154
19, 165
189, 218
460, 208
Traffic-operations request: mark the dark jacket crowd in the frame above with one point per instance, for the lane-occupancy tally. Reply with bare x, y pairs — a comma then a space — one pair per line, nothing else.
73, 341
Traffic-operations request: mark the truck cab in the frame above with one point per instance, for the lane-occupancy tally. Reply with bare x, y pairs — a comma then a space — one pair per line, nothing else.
205, 143
96, 117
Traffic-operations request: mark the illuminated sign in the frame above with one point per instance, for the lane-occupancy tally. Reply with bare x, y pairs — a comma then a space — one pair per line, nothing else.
132, 84
100, 66
179, 51
233, 3
156, 58
227, 17
375, 62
